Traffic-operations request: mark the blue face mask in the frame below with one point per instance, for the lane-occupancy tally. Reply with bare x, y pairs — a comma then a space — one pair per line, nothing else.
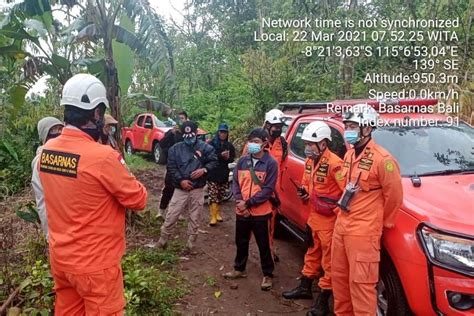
351, 137
190, 141
253, 148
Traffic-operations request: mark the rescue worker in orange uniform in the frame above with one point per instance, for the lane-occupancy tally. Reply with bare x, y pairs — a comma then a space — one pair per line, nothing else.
253, 185
322, 186
277, 145
370, 202
87, 188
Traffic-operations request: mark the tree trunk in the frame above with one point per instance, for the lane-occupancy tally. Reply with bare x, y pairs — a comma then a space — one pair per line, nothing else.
113, 89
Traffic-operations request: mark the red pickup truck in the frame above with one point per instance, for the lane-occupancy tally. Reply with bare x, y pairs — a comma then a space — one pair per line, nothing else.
145, 134
427, 265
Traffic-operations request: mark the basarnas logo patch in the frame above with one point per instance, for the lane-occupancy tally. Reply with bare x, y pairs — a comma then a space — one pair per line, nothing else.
60, 163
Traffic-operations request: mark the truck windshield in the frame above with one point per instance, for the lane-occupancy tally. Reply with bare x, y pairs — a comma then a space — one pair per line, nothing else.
158, 123
442, 149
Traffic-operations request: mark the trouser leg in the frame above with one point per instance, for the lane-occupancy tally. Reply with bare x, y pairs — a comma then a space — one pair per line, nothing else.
176, 207
340, 277
261, 231
243, 229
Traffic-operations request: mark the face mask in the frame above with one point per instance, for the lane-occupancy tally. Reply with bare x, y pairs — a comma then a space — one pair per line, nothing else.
189, 141
351, 137
309, 153
254, 148
276, 134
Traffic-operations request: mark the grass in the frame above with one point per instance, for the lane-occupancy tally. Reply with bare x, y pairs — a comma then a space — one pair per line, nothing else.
139, 161
210, 281
152, 286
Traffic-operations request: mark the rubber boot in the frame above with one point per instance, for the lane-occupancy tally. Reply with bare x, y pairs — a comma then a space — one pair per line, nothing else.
320, 306
213, 212
218, 213
302, 291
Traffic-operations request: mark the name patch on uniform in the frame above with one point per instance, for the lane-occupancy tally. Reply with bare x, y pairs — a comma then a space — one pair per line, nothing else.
60, 163
365, 164
322, 170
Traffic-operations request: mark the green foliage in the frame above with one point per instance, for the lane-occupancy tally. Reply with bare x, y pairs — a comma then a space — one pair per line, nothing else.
137, 162
149, 290
123, 56
30, 215
210, 281
38, 289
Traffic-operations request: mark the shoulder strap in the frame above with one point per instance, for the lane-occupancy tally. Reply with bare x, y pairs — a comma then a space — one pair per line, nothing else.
253, 175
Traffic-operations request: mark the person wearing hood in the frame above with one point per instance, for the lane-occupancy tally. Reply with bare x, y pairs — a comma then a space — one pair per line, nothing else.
218, 179
48, 128
189, 163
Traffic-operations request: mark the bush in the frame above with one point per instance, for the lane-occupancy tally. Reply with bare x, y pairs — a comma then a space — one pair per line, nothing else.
148, 289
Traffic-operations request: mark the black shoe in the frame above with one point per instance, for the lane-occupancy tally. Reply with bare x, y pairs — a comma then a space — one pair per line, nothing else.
302, 291
320, 306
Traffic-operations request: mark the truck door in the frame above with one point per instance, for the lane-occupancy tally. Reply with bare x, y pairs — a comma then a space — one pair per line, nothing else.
148, 134
139, 132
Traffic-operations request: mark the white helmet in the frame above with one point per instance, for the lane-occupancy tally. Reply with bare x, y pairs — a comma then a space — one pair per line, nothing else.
316, 132
362, 114
274, 116
84, 91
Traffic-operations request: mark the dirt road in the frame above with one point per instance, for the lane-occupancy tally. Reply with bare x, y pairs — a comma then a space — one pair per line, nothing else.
210, 293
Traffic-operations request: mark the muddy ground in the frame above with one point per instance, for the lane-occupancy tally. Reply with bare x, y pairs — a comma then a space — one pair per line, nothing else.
210, 293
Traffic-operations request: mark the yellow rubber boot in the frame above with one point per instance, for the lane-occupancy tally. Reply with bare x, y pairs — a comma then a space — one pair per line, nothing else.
218, 213
213, 212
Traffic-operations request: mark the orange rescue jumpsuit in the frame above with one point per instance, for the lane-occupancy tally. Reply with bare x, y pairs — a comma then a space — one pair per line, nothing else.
325, 178
356, 240
87, 187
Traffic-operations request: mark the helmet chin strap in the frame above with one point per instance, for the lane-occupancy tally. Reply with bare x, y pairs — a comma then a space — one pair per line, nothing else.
361, 137
319, 154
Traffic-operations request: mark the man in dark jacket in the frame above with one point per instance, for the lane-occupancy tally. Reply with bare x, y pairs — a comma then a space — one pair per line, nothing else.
189, 162
218, 180
172, 136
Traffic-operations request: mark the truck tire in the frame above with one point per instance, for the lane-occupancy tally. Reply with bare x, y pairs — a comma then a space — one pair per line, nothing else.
158, 155
228, 194
128, 147
391, 299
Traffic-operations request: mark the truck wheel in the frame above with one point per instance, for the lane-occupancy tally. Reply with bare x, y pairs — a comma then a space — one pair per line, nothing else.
228, 193
391, 299
128, 147
158, 155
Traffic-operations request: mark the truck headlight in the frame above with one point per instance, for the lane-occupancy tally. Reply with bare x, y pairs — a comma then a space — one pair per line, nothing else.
449, 251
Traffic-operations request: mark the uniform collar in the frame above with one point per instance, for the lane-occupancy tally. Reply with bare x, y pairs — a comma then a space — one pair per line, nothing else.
368, 149
264, 157
72, 131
